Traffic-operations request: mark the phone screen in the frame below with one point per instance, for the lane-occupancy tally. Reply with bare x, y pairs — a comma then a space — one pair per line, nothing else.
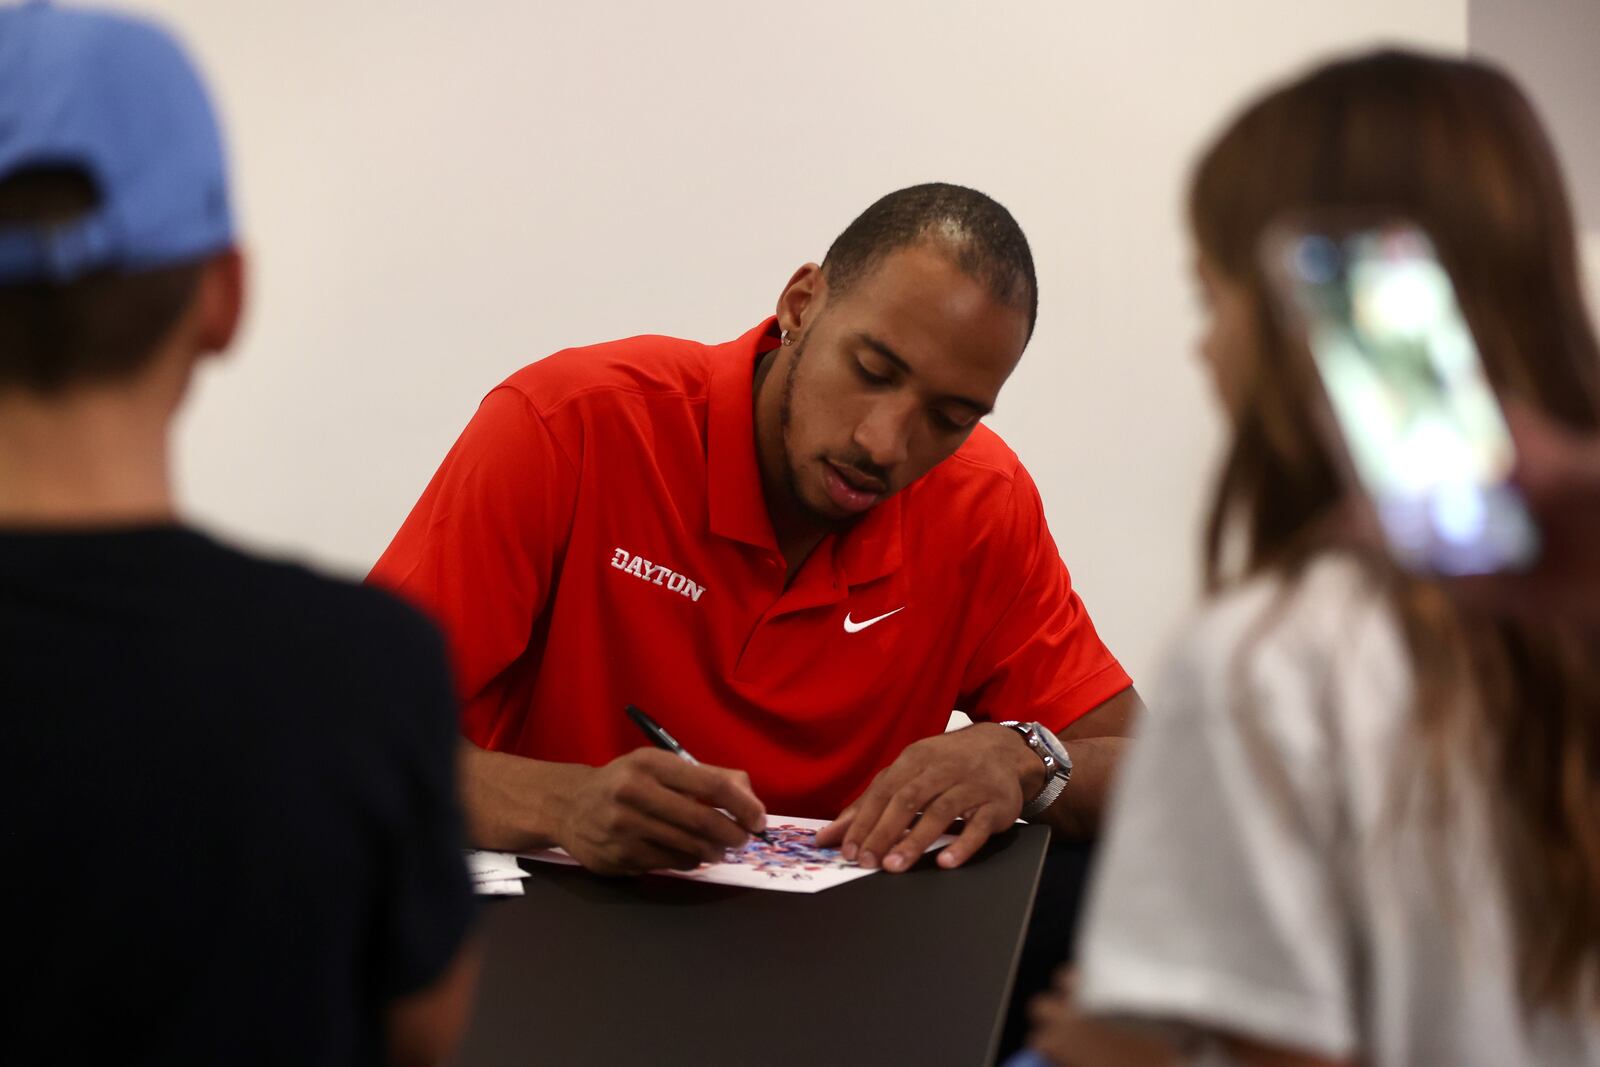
1425, 433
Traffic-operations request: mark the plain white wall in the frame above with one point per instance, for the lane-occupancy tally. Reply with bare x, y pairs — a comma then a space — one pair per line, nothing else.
436, 194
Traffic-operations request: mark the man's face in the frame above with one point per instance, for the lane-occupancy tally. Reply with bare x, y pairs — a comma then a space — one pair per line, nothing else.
889, 379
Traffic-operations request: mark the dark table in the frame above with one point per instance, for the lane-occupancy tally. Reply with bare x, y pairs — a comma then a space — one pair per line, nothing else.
891, 969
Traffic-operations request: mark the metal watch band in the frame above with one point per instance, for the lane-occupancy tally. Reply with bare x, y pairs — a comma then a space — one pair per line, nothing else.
1047, 796
1056, 773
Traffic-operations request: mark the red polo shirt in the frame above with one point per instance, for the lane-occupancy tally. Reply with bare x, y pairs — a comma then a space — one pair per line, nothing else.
598, 537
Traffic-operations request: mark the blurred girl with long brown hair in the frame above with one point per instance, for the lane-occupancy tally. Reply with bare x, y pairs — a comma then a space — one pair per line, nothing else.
1362, 820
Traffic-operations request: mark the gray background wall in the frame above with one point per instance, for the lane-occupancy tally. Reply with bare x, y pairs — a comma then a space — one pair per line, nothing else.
1551, 46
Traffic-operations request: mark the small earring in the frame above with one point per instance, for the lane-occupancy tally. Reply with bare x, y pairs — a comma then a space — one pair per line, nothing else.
786, 339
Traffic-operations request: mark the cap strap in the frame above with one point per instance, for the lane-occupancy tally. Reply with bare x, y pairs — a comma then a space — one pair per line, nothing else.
54, 253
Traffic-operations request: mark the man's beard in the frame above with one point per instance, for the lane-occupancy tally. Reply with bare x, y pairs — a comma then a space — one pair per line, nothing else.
791, 469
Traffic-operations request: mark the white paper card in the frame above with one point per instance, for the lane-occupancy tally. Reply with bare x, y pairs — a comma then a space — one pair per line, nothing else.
790, 863
493, 866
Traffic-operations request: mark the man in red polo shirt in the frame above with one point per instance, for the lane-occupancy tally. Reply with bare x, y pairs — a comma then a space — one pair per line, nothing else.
798, 550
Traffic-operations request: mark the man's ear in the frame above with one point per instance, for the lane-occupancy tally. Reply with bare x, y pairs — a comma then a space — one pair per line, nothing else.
801, 299
219, 301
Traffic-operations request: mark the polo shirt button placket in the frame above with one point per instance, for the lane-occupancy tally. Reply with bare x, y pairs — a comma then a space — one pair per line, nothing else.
776, 568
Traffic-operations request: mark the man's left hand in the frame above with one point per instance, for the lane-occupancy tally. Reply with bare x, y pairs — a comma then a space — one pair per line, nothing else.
982, 774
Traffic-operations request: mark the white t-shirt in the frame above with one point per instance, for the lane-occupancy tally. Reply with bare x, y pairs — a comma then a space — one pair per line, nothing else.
1256, 878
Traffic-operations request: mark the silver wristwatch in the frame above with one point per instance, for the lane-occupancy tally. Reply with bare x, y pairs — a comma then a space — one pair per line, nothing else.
1057, 764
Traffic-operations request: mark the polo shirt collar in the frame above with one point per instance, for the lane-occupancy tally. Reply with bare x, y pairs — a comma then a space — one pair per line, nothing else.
738, 505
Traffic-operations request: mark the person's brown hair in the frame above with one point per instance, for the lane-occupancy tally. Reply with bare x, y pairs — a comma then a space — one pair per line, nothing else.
1454, 146
104, 327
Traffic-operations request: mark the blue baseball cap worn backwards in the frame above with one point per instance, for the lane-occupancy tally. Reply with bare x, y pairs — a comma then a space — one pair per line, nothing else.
116, 98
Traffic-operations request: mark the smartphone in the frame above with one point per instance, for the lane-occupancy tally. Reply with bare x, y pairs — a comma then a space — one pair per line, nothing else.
1424, 435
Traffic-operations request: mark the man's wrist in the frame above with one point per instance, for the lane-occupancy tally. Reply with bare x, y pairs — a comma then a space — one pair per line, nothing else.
1031, 774
513, 803
556, 786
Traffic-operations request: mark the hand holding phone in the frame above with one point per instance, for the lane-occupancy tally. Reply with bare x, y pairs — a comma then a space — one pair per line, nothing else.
1559, 473
1422, 432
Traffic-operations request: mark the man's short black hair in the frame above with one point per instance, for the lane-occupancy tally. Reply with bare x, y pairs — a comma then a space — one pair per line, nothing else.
980, 236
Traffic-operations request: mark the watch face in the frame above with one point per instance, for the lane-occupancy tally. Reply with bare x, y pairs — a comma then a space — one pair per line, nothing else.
1054, 746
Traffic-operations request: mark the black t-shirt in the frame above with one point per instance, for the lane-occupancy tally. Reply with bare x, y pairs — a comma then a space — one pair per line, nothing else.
230, 830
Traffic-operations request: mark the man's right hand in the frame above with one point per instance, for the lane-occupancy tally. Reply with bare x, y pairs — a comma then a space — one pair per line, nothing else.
650, 810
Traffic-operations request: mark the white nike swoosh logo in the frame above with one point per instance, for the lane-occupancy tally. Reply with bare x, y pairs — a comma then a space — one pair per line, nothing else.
853, 627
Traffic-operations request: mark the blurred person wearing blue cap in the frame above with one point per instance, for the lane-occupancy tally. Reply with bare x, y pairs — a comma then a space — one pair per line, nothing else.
231, 819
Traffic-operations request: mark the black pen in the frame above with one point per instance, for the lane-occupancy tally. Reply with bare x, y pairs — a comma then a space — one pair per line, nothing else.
662, 739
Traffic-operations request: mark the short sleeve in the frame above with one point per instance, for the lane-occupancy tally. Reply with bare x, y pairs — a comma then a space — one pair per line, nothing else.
428, 904
481, 549
1042, 659
1217, 898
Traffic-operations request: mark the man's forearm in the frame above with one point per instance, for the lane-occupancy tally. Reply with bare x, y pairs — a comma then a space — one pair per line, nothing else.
512, 803
1077, 813
1096, 743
